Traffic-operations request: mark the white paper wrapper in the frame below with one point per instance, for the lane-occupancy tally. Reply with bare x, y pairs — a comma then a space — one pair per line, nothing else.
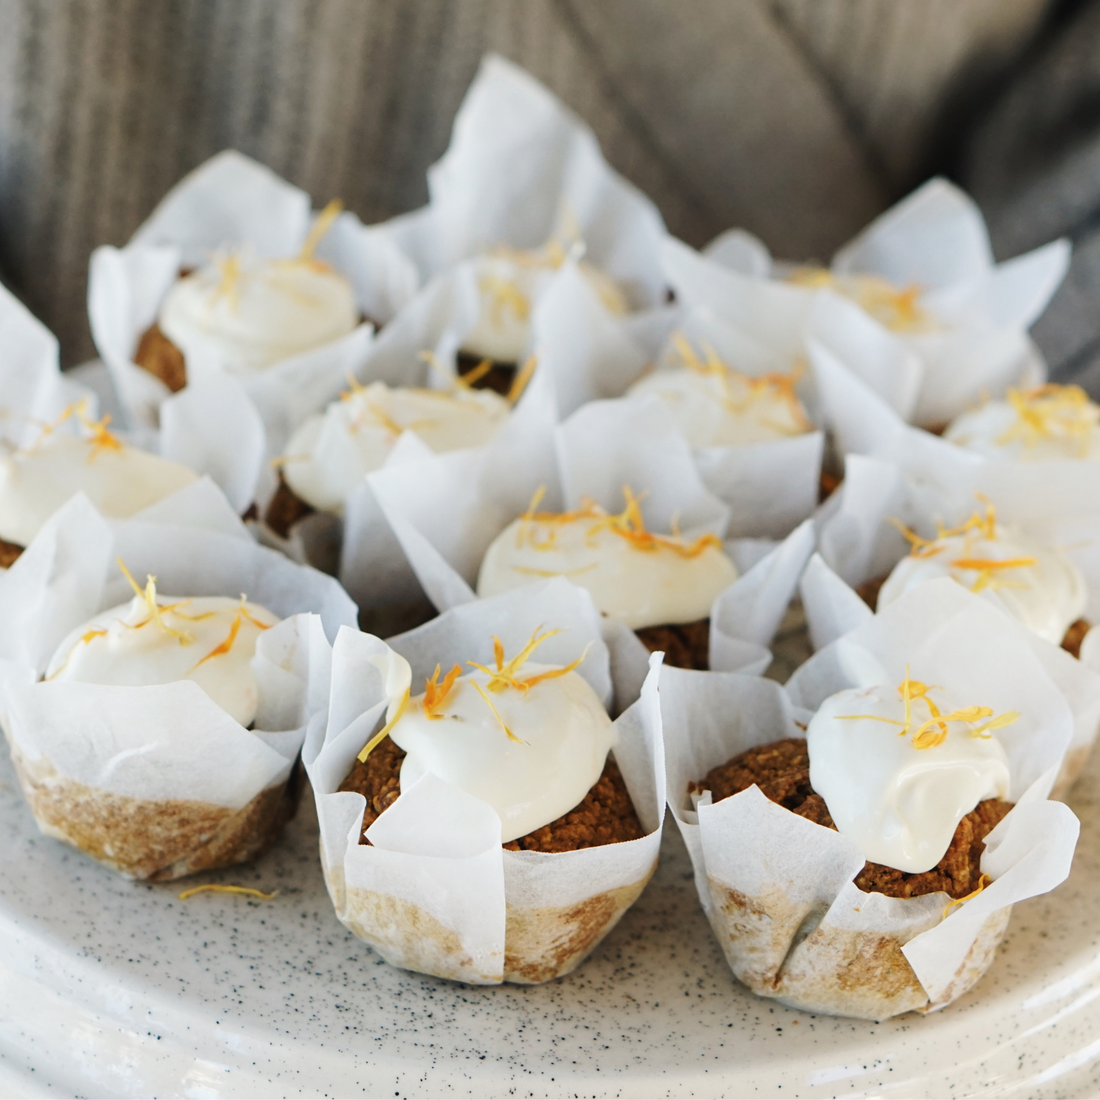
520, 169
159, 782
935, 239
33, 391
444, 512
435, 891
233, 201
778, 889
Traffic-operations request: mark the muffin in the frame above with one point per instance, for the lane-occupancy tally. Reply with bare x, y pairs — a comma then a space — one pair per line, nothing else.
1048, 423
331, 452
661, 586
36, 480
1037, 585
508, 282
251, 312
482, 817
714, 405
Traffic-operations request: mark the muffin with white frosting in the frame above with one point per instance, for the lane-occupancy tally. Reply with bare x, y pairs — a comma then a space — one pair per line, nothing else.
535, 744
714, 405
36, 480
1037, 585
896, 307
253, 312
661, 586
332, 451
1049, 423
508, 282
153, 640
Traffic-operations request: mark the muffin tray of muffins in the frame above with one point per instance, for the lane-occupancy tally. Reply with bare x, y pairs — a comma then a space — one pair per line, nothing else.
488, 521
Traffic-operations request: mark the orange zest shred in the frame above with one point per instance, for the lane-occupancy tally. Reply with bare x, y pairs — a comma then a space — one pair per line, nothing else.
225, 645
1051, 411
85, 638
983, 882
778, 384
898, 308
317, 231
217, 888
435, 693
933, 731
149, 595
384, 732
519, 383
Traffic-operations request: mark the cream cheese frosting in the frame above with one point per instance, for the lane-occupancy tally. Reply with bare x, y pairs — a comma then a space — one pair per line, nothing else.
530, 739
118, 479
714, 405
157, 639
1038, 586
1048, 423
896, 308
633, 575
255, 312
331, 453
899, 768
508, 281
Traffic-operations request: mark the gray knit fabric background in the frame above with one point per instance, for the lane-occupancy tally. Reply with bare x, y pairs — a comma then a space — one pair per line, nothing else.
797, 119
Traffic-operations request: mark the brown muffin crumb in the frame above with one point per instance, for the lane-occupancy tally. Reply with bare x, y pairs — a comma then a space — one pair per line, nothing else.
869, 591
160, 357
498, 378
827, 484
685, 645
782, 772
9, 553
604, 816
285, 509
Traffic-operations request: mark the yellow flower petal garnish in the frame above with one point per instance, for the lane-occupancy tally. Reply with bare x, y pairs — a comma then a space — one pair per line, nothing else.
215, 888
436, 693
933, 731
496, 713
318, 230
519, 383
98, 437
149, 595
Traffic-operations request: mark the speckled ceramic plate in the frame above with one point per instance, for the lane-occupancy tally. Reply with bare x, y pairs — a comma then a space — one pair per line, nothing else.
112, 988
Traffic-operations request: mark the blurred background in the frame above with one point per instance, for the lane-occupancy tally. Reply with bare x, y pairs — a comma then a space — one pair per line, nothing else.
797, 119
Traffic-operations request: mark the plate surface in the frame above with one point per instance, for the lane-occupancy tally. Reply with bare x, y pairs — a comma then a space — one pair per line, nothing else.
109, 987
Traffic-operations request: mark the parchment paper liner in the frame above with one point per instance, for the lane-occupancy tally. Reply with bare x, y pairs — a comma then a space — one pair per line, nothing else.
934, 238
435, 892
159, 782
858, 543
777, 889
444, 511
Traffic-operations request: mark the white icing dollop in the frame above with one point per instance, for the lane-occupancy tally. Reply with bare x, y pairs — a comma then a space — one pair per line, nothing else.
258, 312
118, 479
331, 453
901, 804
209, 639
1045, 591
1053, 423
720, 407
641, 579
561, 738
508, 282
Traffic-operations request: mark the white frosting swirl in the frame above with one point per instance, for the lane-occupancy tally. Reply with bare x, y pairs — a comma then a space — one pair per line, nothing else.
118, 479
508, 282
560, 738
899, 803
258, 312
639, 578
1051, 423
208, 639
1038, 586
331, 453
720, 407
